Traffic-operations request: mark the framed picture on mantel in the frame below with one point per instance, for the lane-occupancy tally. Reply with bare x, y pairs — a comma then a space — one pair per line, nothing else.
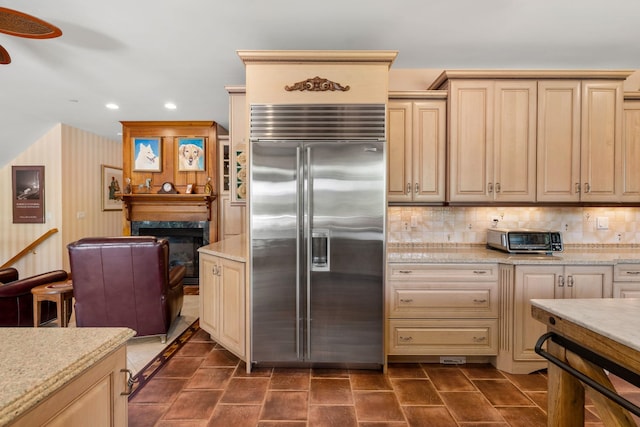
147, 154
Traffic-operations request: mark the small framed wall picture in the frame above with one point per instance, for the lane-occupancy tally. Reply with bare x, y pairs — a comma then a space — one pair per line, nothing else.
147, 154
189, 189
28, 194
111, 188
191, 154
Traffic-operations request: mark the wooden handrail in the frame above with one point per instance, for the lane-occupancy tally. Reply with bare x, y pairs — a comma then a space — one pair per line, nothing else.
29, 248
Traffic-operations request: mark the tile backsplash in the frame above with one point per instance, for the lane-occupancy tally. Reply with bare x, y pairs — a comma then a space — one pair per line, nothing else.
421, 224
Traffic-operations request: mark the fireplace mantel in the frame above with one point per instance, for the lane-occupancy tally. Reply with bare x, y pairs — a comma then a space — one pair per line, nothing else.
168, 207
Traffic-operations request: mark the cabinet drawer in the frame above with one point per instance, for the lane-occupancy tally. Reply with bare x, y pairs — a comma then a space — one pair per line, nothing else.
626, 273
434, 300
443, 337
443, 272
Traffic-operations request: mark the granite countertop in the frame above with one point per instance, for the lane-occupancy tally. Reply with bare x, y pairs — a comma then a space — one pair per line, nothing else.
233, 248
35, 362
614, 318
480, 254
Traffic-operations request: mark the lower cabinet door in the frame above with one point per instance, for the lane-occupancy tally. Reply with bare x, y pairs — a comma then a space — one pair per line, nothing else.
443, 337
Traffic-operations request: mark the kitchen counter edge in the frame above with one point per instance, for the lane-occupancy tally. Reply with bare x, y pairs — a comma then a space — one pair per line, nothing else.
233, 248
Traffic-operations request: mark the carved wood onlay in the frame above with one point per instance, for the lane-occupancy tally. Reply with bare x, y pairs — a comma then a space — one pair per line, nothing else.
317, 84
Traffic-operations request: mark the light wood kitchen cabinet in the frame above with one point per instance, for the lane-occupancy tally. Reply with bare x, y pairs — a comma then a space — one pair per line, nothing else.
541, 282
580, 141
626, 280
442, 309
231, 216
222, 301
492, 140
416, 135
631, 148
97, 394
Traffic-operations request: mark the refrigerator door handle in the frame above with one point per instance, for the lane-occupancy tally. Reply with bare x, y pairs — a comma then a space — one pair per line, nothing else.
298, 250
308, 237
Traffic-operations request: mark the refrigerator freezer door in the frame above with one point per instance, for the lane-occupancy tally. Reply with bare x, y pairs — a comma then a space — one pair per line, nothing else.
346, 187
276, 232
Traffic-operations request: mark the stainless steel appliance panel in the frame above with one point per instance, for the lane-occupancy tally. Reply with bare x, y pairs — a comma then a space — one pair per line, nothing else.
317, 233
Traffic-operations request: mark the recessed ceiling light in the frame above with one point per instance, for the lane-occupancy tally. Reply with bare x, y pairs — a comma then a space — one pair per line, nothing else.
112, 106
170, 106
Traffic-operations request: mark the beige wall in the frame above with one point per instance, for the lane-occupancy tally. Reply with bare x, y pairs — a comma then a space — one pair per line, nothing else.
72, 160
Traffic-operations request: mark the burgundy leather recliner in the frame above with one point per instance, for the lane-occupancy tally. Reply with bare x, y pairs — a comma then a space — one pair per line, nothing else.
126, 282
16, 300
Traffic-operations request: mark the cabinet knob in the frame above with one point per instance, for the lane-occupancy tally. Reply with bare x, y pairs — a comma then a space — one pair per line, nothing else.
577, 188
634, 273
406, 300
405, 339
497, 187
570, 281
130, 381
561, 280
405, 271
408, 188
479, 301
479, 271
479, 339
587, 187
490, 187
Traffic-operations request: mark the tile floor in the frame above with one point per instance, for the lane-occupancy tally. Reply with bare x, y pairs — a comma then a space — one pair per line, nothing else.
205, 385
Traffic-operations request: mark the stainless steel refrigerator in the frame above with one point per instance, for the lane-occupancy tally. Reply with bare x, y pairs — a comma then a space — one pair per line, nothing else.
317, 248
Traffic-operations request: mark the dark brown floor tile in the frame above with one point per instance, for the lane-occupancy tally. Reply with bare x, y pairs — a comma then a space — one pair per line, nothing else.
377, 406
235, 415
220, 357
246, 390
193, 405
241, 371
159, 390
201, 335
210, 378
180, 367
502, 393
285, 405
429, 416
290, 379
496, 424
591, 415
330, 373
181, 423
332, 416
524, 417
481, 372
540, 398
282, 424
529, 382
405, 370
145, 415
448, 378
196, 349
327, 391
470, 406
368, 380
383, 424
415, 391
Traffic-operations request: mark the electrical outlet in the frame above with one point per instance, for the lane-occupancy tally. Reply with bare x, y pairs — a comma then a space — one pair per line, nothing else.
414, 221
405, 226
602, 223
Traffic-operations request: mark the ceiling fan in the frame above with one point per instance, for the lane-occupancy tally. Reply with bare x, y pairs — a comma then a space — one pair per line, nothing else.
20, 24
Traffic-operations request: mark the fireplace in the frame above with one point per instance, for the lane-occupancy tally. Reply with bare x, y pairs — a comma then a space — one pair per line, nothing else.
185, 237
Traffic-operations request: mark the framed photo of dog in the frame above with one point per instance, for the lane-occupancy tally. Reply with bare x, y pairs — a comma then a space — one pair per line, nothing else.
147, 154
191, 154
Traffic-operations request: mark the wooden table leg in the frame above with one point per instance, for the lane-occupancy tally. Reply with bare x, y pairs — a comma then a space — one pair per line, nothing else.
565, 394
36, 312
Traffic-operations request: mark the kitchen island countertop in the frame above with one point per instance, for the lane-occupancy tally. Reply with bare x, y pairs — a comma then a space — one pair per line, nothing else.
234, 248
35, 362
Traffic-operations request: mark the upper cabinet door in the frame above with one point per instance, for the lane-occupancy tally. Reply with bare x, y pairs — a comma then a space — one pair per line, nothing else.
514, 143
631, 152
429, 149
558, 160
600, 148
470, 140
399, 143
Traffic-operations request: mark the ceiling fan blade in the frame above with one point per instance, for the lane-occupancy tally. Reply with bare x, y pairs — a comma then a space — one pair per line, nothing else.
22, 25
4, 56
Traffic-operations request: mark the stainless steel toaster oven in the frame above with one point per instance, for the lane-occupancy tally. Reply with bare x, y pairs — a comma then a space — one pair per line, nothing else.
524, 240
